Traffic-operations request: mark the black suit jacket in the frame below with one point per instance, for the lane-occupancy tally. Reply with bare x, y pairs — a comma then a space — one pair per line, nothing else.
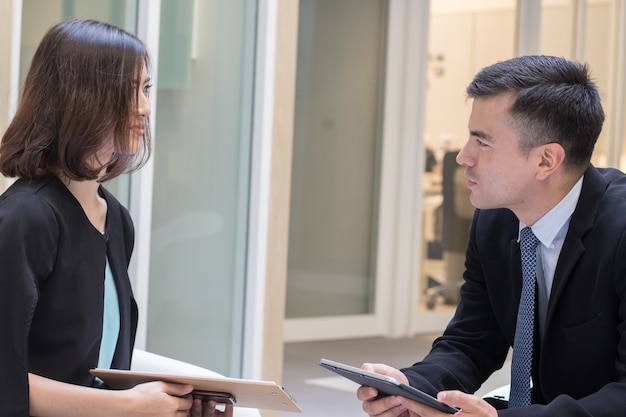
580, 363
52, 263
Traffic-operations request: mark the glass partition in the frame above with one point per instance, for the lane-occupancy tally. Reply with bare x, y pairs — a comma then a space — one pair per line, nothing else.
461, 42
335, 158
201, 181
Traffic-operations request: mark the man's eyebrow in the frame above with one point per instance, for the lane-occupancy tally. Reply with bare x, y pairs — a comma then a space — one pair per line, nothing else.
481, 135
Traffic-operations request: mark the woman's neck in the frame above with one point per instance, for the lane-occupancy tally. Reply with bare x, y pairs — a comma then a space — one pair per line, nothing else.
93, 204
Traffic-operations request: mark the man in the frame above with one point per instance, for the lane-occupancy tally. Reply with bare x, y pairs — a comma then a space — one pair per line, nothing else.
533, 126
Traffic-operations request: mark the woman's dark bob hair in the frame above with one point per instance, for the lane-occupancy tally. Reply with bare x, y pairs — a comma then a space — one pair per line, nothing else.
80, 95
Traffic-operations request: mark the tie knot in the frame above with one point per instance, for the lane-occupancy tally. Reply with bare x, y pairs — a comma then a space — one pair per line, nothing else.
528, 240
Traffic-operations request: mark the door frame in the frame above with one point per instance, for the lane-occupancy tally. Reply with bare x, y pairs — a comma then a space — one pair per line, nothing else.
399, 225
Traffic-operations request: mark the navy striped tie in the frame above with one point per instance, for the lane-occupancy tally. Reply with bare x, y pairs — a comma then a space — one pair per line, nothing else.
523, 344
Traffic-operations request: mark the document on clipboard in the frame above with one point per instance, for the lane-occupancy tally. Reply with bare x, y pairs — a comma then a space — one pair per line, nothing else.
264, 395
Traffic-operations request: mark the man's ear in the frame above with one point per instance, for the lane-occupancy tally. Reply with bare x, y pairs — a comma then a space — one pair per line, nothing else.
552, 157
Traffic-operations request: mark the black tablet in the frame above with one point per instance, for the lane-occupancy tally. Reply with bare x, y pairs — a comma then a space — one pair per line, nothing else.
385, 385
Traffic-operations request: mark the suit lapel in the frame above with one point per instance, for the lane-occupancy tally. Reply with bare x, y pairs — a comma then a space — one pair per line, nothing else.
516, 270
583, 218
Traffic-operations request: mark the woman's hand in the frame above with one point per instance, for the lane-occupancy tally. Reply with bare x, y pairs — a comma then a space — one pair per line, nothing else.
50, 398
160, 399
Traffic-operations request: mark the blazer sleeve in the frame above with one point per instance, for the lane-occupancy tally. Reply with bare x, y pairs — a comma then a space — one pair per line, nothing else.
28, 234
472, 347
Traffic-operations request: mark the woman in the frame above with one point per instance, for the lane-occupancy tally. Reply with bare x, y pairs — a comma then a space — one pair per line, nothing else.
65, 241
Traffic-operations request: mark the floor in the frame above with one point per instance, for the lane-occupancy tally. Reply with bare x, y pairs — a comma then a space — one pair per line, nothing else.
322, 394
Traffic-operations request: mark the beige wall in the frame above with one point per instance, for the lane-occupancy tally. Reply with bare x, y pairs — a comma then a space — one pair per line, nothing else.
454, 61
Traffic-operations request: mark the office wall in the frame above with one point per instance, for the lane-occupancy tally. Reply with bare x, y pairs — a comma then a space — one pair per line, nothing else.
460, 44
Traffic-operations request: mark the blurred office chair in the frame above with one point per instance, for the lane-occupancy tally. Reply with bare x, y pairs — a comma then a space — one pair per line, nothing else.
457, 216
144, 361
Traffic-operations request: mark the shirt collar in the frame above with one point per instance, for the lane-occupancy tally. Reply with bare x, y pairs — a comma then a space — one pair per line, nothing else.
548, 226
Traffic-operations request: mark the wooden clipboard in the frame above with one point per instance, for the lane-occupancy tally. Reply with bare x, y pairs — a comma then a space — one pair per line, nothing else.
246, 392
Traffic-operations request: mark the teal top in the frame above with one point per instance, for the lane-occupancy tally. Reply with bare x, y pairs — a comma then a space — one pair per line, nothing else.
111, 320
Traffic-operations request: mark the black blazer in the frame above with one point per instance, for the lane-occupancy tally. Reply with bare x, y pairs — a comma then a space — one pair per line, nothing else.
580, 365
52, 263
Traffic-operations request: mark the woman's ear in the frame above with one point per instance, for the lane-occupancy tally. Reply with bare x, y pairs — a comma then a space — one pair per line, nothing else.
552, 157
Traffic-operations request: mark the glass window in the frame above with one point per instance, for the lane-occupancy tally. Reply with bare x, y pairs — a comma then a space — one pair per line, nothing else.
201, 181
461, 42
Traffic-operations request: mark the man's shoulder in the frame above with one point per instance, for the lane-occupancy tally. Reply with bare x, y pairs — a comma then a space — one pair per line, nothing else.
615, 181
611, 174
601, 204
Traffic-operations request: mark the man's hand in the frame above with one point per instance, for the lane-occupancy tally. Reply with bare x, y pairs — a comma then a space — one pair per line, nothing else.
468, 403
391, 406
396, 406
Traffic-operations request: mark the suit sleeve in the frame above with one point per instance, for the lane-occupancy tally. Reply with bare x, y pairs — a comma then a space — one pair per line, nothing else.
472, 347
27, 251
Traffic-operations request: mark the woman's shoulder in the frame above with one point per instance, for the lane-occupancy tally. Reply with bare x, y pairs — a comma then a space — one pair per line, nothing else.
26, 191
28, 203
48, 190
